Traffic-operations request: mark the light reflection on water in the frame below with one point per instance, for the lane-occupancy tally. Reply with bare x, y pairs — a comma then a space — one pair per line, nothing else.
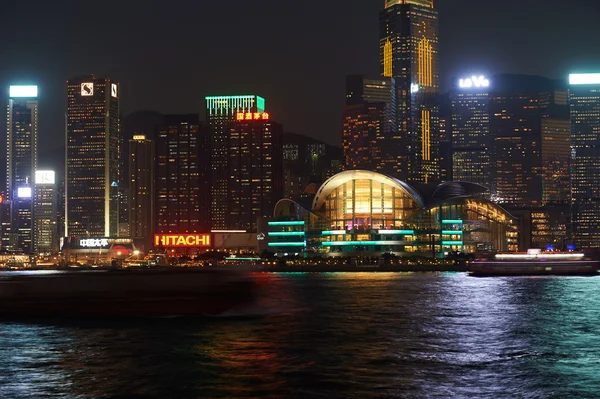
346, 335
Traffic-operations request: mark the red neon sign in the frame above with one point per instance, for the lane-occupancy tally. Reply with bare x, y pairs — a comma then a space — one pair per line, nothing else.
182, 240
252, 116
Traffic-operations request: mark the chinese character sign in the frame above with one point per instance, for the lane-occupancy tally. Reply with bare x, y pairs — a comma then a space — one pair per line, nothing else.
252, 116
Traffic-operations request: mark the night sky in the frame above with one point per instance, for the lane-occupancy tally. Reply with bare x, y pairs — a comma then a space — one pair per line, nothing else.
169, 54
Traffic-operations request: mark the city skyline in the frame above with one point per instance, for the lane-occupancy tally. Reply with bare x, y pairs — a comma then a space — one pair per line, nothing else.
180, 88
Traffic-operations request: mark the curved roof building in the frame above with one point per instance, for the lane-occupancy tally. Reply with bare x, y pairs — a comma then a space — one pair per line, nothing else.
361, 211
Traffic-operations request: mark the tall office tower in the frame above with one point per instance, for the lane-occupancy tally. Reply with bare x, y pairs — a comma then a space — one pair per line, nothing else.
408, 32
255, 170
369, 119
529, 116
45, 216
585, 143
181, 187
21, 163
141, 188
92, 175
471, 130
221, 111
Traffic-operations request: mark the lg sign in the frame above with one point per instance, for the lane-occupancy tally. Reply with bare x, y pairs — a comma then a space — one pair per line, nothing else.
474, 81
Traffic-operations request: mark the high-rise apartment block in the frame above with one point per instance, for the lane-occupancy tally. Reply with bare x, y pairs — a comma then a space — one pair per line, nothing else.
21, 162
585, 144
92, 174
408, 32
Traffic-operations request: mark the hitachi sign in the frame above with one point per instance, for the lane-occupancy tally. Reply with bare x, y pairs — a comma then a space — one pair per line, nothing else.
474, 81
182, 240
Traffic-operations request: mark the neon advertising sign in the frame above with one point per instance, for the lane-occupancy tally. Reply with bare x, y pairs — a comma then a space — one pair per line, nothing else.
182, 240
474, 82
252, 116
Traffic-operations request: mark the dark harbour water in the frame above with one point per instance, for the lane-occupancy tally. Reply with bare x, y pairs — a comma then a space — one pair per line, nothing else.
339, 335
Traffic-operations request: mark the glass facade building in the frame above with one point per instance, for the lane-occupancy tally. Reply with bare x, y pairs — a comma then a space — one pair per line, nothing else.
21, 163
585, 161
408, 33
367, 212
470, 134
92, 174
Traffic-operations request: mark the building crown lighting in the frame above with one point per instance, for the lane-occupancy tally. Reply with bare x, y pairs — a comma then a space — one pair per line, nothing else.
424, 3
584, 78
23, 91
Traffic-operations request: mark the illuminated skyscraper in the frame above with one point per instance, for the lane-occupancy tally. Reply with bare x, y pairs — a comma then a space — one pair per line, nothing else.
92, 175
220, 112
368, 121
408, 32
182, 189
470, 132
585, 152
254, 170
45, 217
141, 188
21, 161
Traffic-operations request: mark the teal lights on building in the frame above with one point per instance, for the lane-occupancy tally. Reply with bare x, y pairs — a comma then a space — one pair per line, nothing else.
353, 243
287, 244
229, 105
286, 233
400, 232
360, 212
286, 223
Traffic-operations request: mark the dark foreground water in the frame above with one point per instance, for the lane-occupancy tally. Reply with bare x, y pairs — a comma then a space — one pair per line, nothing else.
340, 335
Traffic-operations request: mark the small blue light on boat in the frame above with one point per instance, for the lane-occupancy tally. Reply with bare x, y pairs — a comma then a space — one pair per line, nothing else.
549, 247
571, 247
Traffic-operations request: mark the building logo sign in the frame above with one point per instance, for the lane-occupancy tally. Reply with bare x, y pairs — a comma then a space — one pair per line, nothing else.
252, 116
182, 240
113, 90
474, 81
45, 177
87, 89
94, 243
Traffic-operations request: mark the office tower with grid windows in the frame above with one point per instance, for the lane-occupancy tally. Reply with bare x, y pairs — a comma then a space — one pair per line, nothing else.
92, 173
408, 33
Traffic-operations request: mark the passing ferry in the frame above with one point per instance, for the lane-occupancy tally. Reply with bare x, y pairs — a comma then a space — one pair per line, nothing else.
534, 262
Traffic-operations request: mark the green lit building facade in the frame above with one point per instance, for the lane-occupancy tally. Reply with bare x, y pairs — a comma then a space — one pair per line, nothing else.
221, 111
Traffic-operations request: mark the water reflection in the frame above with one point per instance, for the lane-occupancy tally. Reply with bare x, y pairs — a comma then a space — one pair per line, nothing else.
345, 335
